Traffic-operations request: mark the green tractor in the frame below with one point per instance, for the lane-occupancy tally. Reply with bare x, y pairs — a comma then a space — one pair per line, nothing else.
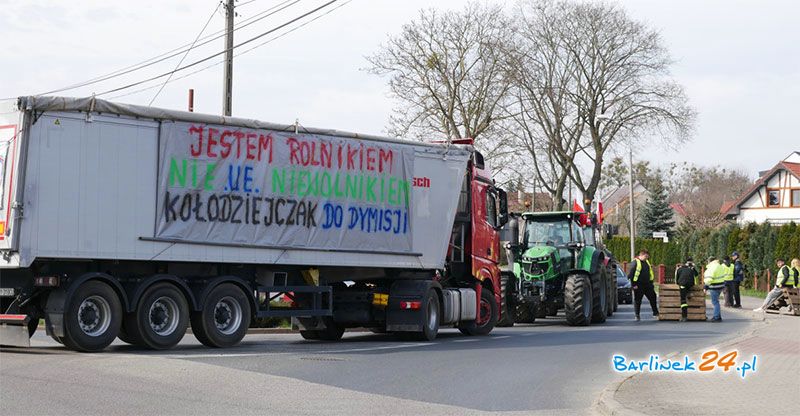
556, 265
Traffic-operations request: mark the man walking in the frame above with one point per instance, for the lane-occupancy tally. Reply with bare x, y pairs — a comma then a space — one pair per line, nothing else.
783, 280
738, 278
685, 278
642, 276
714, 282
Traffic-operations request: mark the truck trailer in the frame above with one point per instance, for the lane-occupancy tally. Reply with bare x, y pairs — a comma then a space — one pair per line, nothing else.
133, 222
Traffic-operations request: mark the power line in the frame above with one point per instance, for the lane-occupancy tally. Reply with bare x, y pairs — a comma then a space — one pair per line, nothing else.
185, 54
167, 55
220, 53
235, 55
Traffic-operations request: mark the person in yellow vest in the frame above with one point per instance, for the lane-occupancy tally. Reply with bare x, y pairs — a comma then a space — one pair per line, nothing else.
641, 276
783, 279
726, 261
713, 283
795, 269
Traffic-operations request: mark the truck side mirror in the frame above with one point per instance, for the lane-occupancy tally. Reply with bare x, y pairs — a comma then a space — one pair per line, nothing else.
502, 218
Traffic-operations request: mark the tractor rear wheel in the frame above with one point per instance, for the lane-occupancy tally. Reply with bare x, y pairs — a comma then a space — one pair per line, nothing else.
578, 300
599, 297
506, 300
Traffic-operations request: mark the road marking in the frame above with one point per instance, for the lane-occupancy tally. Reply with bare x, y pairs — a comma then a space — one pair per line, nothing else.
466, 340
502, 337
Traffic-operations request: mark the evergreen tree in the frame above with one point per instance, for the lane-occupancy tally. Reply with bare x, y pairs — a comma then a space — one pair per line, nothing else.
656, 215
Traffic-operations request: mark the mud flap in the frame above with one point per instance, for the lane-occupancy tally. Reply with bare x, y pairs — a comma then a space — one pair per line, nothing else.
14, 330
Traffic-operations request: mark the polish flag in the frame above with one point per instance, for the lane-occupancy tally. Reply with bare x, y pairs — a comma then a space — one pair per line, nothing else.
576, 206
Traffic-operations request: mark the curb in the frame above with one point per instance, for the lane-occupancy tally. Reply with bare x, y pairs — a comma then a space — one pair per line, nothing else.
607, 404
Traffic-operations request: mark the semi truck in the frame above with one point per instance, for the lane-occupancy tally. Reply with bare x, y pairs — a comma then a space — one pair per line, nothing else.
133, 222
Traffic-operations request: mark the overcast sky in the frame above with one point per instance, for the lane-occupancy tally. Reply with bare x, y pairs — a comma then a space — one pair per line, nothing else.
739, 62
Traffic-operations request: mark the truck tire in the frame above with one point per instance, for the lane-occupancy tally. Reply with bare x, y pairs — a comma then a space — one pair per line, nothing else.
160, 319
332, 331
507, 308
310, 335
599, 297
525, 313
224, 318
487, 316
616, 298
430, 324
92, 318
125, 336
578, 300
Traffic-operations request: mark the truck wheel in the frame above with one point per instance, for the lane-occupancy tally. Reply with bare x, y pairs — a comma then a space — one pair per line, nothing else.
160, 319
332, 331
430, 325
310, 334
599, 298
578, 300
92, 318
506, 301
486, 319
224, 318
125, 336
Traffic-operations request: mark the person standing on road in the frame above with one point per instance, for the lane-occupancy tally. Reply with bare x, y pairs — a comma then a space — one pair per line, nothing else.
783, 279
685, 277
714, 282
642, 276
726, 261
738, 278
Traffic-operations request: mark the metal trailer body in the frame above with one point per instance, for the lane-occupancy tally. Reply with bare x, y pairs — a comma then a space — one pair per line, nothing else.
85, 205
88, 191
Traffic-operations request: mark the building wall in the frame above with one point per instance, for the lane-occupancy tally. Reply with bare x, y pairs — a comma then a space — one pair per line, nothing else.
757, 209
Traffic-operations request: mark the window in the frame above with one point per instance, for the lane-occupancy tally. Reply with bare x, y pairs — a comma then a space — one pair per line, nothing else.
796, 197
491, 209
773, 198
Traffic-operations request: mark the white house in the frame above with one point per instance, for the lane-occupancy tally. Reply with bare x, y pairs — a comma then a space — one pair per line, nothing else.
774, 197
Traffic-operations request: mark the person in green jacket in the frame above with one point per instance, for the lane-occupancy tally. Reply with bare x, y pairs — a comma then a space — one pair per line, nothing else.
713, 283
784, 279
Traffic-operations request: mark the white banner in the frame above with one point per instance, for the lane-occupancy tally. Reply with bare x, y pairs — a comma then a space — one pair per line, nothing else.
232, 185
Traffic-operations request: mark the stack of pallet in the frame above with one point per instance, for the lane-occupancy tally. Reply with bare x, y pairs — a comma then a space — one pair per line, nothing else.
669, 303
790, 299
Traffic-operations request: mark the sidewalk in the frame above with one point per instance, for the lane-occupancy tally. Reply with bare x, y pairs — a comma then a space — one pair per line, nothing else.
772, 389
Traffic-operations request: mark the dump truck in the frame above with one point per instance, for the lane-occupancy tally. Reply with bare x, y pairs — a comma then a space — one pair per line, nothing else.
133, 222
556, 265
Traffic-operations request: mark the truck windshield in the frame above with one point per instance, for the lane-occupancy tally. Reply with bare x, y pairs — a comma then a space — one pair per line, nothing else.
541, 231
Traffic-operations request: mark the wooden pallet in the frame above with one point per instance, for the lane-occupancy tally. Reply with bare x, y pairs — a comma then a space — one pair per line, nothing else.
790, 299
669, 303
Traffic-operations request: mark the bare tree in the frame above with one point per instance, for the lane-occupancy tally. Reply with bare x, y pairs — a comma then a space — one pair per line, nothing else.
448, 72
593, 79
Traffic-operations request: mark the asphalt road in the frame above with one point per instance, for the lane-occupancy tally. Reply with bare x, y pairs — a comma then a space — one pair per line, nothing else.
545, 368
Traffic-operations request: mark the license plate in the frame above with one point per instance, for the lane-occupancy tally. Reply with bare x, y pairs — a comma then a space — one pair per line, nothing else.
6, 291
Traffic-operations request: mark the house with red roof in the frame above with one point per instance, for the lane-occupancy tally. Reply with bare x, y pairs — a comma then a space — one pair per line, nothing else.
773, 198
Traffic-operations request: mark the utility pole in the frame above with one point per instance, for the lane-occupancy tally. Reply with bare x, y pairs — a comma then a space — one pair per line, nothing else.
227, 82
630, 195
